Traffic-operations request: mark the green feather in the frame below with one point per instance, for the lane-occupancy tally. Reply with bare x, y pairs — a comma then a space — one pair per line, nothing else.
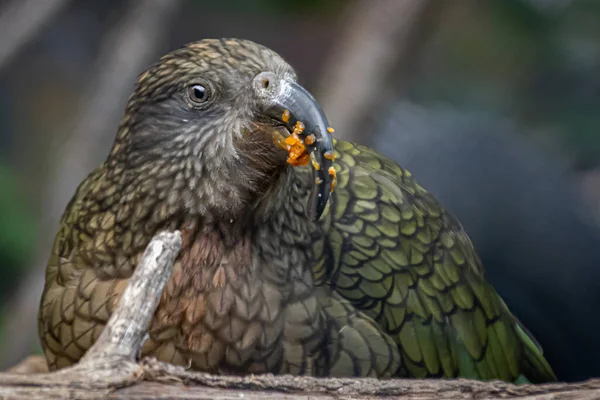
408, 264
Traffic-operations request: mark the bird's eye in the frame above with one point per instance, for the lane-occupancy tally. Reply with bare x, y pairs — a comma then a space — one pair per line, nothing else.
198, 94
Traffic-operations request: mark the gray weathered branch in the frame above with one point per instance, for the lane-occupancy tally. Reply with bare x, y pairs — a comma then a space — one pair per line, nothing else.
155, 380
110, 369
124, 334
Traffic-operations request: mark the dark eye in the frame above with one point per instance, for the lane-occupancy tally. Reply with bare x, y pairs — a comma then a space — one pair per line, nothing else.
198, 94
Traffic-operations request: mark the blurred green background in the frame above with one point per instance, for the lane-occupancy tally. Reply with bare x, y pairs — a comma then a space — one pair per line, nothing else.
69, 65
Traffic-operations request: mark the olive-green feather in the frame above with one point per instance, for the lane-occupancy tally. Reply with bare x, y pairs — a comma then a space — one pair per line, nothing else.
396, 254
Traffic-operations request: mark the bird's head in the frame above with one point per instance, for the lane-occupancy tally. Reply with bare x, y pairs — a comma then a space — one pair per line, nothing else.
200, 125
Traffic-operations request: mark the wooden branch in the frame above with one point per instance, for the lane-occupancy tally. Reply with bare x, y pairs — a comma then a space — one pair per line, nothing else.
110, 370
152, 379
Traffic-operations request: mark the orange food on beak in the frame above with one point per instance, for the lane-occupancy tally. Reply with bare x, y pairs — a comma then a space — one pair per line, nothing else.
330, 155
333, 174
314, 162
297, 154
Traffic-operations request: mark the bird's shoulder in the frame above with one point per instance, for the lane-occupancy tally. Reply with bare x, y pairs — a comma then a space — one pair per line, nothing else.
379, 205
87, 229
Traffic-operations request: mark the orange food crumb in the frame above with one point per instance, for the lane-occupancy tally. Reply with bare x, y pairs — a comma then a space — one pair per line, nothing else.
296, 146
285, 117
297, 154
298, 128
318, 180
314, 162
300, 161
333, 178
330, 129
330, 155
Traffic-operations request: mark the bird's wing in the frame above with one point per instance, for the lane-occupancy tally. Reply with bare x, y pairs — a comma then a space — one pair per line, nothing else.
392, 251
78, 297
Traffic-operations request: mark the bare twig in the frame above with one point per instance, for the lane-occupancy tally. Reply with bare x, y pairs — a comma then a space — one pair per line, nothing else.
123, 335
128, 48
21, 20
110, 366
376, 34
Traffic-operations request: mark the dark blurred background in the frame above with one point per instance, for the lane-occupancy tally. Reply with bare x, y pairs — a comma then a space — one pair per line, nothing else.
493, 105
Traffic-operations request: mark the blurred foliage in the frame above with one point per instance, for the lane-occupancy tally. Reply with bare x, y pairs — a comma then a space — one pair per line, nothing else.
16, 231
274, 7
537, 64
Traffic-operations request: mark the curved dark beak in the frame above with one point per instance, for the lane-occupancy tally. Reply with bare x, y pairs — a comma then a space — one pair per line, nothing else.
293, 103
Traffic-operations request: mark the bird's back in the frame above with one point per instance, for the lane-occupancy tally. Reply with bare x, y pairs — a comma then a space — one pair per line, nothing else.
395, 253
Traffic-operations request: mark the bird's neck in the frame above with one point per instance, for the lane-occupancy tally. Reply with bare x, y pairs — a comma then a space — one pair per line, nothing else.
158, 196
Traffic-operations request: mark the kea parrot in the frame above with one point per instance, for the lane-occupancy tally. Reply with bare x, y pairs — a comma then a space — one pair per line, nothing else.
301, 254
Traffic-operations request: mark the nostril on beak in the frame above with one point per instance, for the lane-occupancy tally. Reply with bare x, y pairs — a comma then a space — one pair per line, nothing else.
265, 84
